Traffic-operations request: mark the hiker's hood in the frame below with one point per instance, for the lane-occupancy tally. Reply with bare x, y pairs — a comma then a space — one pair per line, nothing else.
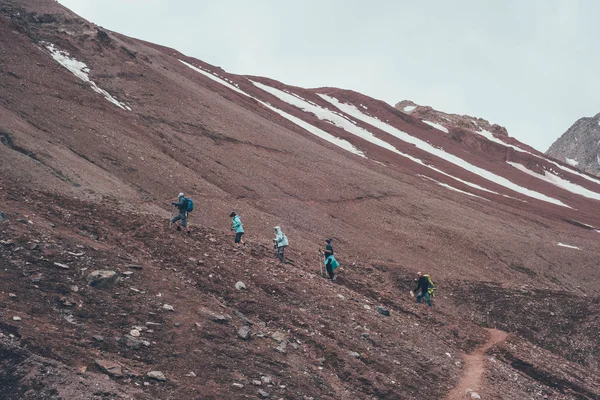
277, 230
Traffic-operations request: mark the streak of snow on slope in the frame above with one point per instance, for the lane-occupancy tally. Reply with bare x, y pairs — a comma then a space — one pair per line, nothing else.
452, 187
490, 136
436, 126
81, 71
571, 162
344, 144
558, 181
409, 108
349, 126
568, 246
356, 113
570, 170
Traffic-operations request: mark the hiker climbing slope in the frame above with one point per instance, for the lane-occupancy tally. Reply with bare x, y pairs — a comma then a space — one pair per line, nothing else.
425, 288
280, 243
328, 249
238, 228
185, 206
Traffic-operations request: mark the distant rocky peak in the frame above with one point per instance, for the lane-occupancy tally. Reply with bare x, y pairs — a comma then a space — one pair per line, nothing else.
579, 146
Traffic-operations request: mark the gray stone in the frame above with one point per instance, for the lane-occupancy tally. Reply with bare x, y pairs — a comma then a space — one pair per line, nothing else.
168, 307
98, 338
110, 368
132, 342
3, 217
383, 311
244, 332
354, 354
263, 394
157, 375
282, 348
220, 319
102, 279
239, 285
256, 382
237, 385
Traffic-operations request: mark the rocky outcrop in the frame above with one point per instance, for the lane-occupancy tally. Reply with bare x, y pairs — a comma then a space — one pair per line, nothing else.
579, 146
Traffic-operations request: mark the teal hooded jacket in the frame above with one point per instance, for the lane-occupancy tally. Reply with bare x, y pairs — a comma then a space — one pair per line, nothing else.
237, 224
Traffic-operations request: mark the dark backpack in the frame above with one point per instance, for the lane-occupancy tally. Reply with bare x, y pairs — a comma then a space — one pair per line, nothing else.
188, 205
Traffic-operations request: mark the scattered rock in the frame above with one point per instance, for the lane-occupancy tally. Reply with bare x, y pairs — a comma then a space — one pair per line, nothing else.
475, 395
237, 385
168, 307
3, 217
102, 279
34, 246
110, 368
383, 311
266, 380
366, 306
191, 374
15, 318
75, 254
256, 382
132, 342
239, 285
220, 319
263, 394
244, 332
282, 348
74, 288
354, 354
63, 266
134, 333
98, 338
12, 296
128, 273
341, 296
278, 336
157, 375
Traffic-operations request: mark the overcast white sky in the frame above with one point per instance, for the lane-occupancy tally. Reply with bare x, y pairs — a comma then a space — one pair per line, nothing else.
532, 66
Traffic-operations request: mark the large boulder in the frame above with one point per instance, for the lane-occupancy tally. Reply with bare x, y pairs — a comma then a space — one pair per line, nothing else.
110, 368
102, 279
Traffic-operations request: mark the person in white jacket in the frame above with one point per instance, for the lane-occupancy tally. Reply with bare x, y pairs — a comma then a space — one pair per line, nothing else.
280, 243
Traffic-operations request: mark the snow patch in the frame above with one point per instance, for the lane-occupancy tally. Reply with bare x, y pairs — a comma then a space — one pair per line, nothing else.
408, 109
571, 162
558, 181
344, 144
436, 126
81, 71
567, 246
452, 187
354, 112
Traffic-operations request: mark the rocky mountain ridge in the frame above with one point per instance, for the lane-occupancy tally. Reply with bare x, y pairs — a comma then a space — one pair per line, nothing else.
580, 145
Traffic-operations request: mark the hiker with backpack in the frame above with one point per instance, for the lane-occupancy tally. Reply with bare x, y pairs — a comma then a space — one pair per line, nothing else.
185, 206
328, 249
238, 229
330, 265
425, 288
280, 243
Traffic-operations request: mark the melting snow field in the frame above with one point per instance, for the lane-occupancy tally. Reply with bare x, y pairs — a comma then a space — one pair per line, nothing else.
558, 181
354, 112
436, 126
344, 144
81, 71
568, 246
349, 126
409, 108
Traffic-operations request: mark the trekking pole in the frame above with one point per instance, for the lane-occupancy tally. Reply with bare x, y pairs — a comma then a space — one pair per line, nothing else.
321, 261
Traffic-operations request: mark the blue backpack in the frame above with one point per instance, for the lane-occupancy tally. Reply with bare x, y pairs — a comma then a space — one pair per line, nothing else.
334, 263
189, 205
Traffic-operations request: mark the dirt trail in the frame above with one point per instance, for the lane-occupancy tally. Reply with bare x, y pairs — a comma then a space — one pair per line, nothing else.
475, 367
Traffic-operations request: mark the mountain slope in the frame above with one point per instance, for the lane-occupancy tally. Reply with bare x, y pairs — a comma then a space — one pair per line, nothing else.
99, 130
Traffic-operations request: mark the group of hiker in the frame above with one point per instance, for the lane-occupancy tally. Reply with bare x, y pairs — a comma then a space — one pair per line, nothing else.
425, 287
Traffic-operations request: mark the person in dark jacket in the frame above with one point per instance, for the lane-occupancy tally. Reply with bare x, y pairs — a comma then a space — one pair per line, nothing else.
183, 214
422, 288
328, 249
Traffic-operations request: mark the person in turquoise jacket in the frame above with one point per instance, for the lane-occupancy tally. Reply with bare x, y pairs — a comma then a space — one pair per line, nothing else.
238, 228
280, 242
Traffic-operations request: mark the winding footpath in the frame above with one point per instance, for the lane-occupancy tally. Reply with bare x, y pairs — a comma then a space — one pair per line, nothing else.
474, 370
